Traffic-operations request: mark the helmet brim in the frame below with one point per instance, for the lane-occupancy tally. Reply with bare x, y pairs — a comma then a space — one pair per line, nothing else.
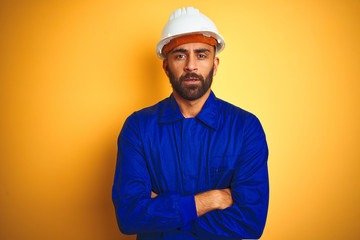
219, 47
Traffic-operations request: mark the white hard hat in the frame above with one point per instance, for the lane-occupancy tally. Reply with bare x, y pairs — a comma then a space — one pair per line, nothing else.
188, 21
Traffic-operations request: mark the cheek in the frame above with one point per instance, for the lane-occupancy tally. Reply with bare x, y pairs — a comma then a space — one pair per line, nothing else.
208, 67
176, 69
206, 64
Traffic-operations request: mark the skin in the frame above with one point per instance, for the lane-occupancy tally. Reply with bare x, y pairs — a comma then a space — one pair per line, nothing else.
196, 58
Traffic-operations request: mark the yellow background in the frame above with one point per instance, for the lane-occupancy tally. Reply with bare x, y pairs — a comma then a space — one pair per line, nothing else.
72, 71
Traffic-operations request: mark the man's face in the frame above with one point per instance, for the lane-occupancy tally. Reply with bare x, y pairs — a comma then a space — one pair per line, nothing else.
190, 68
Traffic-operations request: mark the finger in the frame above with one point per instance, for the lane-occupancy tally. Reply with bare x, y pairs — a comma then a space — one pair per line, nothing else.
153, 194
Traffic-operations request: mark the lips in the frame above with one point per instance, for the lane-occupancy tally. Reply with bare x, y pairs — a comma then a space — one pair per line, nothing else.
192, 79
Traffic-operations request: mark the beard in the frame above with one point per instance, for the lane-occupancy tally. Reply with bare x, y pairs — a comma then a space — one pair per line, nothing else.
191, 92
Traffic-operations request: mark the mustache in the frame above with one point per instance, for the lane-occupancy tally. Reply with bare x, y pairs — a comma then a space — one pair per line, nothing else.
191, 75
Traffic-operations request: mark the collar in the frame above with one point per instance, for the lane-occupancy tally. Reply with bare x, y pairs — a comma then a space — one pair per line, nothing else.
208, 114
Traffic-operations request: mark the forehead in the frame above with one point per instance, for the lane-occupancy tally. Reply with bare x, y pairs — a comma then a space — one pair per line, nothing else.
194, 46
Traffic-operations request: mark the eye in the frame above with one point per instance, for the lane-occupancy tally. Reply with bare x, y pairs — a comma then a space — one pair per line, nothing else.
201, 56
179, 56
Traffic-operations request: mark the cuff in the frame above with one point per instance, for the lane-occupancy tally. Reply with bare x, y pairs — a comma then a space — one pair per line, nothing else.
188, 209
189, 227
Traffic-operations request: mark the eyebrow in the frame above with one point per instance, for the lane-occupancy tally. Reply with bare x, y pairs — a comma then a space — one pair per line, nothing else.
201, 50
182, 50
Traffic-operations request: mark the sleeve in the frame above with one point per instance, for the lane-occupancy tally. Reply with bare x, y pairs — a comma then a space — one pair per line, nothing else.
136, 211
249, 189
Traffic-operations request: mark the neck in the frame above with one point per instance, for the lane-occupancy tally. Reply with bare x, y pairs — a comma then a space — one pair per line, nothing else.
191, 108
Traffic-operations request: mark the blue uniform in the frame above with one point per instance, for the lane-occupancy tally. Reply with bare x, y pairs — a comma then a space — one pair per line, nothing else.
161, 151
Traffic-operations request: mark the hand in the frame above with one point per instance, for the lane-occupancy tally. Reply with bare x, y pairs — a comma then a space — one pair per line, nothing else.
153, 195
225, 199
212, 200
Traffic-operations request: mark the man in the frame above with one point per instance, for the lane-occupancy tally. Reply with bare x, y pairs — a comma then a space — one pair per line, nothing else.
191, 166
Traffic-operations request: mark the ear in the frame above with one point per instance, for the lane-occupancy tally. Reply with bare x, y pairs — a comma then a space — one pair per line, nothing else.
166, 67
216, 64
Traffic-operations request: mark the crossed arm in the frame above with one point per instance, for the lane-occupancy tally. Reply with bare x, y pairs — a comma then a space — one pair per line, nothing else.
211, 200
236, 213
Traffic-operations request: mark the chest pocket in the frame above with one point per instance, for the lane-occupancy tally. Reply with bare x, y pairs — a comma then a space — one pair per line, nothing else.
222, 171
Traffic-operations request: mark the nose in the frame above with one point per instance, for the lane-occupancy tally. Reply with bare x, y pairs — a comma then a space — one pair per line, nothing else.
191, 64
